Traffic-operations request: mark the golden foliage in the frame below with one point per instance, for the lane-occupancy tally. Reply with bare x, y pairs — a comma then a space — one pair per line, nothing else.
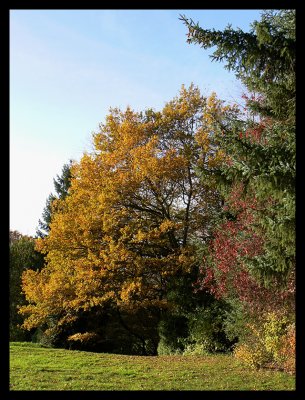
134, 204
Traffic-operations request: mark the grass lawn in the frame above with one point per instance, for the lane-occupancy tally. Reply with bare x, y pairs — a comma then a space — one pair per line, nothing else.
36, 368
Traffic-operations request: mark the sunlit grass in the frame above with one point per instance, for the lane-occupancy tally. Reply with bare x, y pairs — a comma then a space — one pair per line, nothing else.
36, 368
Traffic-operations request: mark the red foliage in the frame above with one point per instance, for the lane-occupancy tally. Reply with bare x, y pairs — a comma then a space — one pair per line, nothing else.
224, 272
253, 97
254, 134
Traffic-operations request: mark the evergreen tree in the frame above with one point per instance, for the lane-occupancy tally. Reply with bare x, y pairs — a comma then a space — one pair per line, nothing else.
61, 185
262, 147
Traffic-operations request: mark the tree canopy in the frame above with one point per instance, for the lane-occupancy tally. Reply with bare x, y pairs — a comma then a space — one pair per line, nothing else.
134, 210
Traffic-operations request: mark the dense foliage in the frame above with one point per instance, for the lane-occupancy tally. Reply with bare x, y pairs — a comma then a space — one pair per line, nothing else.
22, 256
252, 255
262, 145
124, 235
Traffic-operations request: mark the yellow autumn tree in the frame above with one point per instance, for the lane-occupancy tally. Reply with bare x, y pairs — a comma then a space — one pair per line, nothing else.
134, 209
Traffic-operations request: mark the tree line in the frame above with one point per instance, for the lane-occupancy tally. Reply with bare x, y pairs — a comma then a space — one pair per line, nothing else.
176, 233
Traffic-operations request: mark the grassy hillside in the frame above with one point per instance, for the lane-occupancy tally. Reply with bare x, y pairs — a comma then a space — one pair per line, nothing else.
35, 368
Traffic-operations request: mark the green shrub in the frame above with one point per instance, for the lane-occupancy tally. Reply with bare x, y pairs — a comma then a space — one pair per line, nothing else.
286, 352
195, 349
255, 356
166, 349
235, 320
274, 328
269, 341
172, 330
194, 333
206, 331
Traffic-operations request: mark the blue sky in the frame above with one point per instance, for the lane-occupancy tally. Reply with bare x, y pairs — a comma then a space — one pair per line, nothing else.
68, 67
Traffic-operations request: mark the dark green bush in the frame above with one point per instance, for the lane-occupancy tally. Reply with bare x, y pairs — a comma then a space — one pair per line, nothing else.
172, 331
206, 331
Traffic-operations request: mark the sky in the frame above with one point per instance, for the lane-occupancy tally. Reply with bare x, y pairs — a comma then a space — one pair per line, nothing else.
68, 67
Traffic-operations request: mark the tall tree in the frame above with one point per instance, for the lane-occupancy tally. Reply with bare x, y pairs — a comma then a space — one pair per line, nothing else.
134, 209
61, 185
262, 148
